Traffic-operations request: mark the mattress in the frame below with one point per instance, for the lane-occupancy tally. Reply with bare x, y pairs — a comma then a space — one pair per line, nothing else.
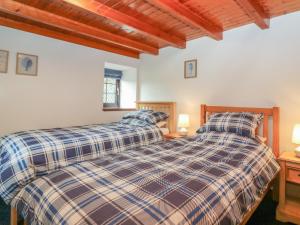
211, 178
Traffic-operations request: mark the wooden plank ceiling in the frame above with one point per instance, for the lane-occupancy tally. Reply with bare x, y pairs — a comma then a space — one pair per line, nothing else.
131, 27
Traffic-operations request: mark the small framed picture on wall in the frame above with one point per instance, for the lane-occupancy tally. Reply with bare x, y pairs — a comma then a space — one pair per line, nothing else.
27, 64
190, 68
3, 61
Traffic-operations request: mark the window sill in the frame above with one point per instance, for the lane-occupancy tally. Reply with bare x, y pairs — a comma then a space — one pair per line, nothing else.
118, 109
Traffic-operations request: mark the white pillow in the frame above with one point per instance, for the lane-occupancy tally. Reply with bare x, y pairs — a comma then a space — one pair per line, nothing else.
161, 124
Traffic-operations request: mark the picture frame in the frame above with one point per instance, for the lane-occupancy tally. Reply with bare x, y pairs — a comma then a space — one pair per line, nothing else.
27, 64
190, 68
4, 61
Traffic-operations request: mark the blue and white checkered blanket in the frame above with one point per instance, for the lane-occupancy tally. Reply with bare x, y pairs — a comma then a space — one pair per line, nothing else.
24, 156
212, 178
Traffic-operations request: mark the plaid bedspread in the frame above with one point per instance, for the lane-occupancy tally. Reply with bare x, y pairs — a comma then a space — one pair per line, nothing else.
212, 178
24, 156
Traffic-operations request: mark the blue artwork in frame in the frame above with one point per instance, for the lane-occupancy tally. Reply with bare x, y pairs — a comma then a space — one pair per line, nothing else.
190, 68
27, 64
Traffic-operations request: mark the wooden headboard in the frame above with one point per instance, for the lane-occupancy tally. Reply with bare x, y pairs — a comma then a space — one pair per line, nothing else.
167, 107
267, 112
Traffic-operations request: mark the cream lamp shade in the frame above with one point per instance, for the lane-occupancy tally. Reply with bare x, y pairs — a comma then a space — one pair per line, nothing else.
296, 134
296, 138
184, 120
183, 123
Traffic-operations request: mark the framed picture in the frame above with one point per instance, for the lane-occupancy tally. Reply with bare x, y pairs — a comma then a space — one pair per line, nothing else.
3, 61
27, 64
190, 68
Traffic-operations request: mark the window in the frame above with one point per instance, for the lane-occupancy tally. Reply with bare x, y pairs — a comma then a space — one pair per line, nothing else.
111, 95
119, 91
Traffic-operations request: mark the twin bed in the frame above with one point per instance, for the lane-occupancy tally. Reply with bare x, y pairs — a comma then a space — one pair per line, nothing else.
212, 177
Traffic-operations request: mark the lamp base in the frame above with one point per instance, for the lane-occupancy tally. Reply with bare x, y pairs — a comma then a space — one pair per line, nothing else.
297, 151
183, 131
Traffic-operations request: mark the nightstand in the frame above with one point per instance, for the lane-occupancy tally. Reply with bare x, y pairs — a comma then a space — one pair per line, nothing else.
172, 136
288, 209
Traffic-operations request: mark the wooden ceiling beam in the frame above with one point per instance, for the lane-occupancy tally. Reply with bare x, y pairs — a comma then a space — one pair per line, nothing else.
62, 36
256, 12
103, 10
179, 10
28, 12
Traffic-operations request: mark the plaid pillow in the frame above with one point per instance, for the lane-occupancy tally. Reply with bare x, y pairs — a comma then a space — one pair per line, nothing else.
155, 117
137, 114
147, 115
134, 122
243, 124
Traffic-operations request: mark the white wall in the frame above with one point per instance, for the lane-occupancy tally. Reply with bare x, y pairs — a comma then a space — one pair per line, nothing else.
129, 88
68, 88
250, 67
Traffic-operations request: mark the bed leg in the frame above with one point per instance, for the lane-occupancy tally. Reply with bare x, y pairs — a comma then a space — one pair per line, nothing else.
275, 191
13, 216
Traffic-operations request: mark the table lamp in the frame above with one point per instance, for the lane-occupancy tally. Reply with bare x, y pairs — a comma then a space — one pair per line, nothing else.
184, 123
296, 138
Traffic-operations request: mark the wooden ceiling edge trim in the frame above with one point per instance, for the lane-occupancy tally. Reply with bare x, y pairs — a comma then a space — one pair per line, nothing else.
64, 37
256, 12
179, 10
103, 10
44, 17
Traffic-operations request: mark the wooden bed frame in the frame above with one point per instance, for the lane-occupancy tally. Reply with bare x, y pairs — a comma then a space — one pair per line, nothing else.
167, 107
206, 110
